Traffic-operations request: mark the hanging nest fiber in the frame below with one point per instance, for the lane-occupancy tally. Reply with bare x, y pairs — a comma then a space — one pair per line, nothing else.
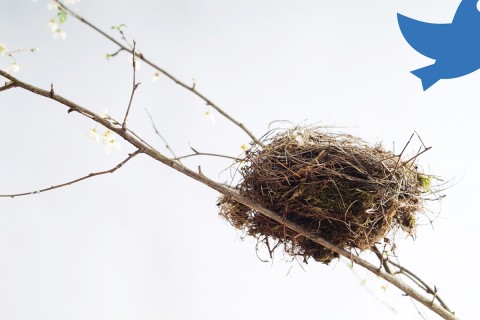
334, 185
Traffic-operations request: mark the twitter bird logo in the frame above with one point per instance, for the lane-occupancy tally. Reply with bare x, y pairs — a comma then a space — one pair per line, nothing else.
455, 46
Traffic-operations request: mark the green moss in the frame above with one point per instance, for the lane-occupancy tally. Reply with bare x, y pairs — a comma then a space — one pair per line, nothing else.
335, 199
425, 181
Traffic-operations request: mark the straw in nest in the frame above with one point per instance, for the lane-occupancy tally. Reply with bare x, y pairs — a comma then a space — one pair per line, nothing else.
334, 185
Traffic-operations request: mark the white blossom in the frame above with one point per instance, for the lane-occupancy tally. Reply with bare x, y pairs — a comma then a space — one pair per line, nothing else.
137, 62
155, 76
71, 1
3, 48
52, 5
59, 34
104, 114
53, 25
208, 115
110, 142
13, 68
107, 138
92, 134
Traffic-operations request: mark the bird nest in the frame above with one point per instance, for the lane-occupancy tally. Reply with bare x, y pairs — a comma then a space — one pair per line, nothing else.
334, 185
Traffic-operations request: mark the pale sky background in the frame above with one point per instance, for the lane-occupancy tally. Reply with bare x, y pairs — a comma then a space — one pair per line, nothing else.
146, 242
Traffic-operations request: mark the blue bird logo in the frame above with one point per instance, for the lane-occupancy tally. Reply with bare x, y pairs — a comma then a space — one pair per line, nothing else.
455, 46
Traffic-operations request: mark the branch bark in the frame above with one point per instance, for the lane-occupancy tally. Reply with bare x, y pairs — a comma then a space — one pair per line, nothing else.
142, 57
134, 85
143, 147
88, 176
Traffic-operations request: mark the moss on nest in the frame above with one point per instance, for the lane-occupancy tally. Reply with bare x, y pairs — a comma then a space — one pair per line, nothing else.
334, 185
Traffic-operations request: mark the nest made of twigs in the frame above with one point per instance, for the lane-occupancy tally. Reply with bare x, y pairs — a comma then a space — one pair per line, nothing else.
334, 185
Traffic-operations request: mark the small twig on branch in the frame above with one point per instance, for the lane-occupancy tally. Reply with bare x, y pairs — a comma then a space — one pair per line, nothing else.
11, 53
134, 84
401, 154
91, 175
124, 38
405, 146
383, 260
417, 155
8, 85
167, 74
232, 194
111, 55
427, 288
420, 138
205, 154
167, 146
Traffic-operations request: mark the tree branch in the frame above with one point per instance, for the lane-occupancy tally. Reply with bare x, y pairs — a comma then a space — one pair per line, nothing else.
91, 175
167, 146
154, 154
382, 259
167, 74
8, 85
134, 84
205, 154
428, 289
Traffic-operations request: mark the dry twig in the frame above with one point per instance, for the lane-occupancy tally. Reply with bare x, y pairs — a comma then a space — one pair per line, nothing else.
142, 57
88, 176
134, 84
154, 154
167, 145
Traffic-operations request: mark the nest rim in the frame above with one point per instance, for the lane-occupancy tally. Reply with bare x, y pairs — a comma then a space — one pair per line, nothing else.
334, 185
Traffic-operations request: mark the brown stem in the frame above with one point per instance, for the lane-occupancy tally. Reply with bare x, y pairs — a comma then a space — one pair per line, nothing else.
154, 154
91, 175
134, 85
417, 155
8, 85
111, 55
167, 74
428, 289
167, 146
382, 259
205, 154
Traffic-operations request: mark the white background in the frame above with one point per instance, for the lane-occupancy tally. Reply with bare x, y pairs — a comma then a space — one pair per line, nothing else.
146, 242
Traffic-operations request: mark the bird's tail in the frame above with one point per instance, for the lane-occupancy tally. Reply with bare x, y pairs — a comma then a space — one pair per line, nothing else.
428, 75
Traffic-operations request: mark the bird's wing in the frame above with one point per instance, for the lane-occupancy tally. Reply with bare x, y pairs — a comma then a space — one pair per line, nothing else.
429, 39
467, 10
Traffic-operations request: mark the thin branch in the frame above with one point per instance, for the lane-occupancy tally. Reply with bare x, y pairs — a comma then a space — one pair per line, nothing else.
111, 55
167, 146
154, 154
385, 262
417, 155
382, 259
88, 176
134, 85
206, 154
420, 138
419, 283
167, 74
428, 289
8, 85
401, 154
10, 53
367, 288
198, 153
124, 38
